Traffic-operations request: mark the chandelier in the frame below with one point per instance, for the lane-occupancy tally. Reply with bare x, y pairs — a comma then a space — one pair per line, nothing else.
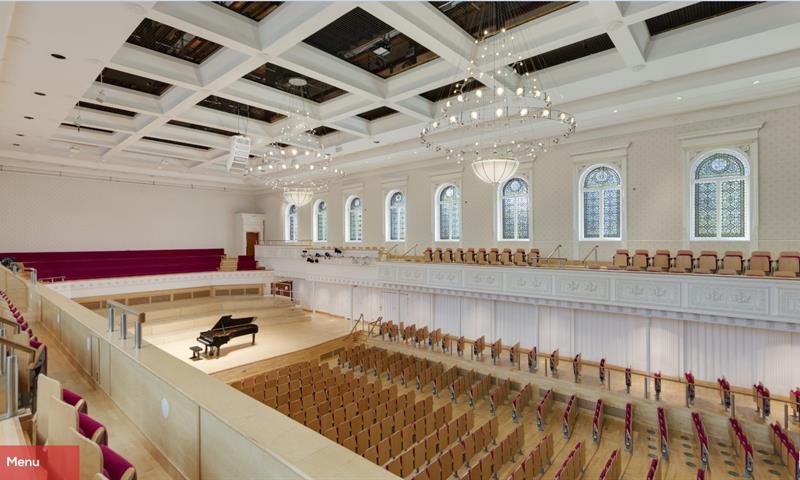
490, 117
299, 196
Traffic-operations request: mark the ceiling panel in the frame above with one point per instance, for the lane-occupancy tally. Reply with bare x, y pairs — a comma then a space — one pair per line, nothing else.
484, 19
243, 110
281, 78
132, 82
368, 43
173, 42
694, 13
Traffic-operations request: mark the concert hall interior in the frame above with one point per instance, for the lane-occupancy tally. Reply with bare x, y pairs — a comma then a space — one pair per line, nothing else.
431, 240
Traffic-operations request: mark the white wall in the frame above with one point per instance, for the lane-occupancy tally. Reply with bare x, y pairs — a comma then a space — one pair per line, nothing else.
654, 192
48, 213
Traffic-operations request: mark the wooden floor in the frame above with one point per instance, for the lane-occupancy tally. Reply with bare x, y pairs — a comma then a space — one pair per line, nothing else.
123, 436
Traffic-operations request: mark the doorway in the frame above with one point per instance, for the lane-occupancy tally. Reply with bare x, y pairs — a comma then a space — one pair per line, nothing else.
252, 240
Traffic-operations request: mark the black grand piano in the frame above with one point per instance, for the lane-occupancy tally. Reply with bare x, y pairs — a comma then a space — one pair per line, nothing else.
225, 329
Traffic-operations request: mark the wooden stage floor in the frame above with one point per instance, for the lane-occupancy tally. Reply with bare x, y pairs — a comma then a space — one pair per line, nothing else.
271, 341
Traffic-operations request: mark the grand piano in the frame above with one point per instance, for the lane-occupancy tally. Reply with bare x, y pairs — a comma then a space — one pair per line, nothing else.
226, 328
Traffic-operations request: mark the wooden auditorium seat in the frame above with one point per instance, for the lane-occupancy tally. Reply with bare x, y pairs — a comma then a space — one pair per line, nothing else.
458, 255
447, 255
494, 256
437, 255
620, 260
427, 256
732, 263
480, 257
505, 257
469, 256
788, 265
759, 265
707, 262
533, 257
640, 261
661, 261
519, 258
684, 262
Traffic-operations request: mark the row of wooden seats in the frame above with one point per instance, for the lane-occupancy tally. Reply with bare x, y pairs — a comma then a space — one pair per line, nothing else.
742, 445
479, 389
498, 395
573, 465
273, 378
612, 470
424, 450
424, 376
570, 415
489, 466
760, 263
598, 421
341, 386
521, 401
385, 423
309, 382
450, 459
482, 256
785, 449
535, 462
407, 439
444, 379
327, 388
543, 408
460, 385
339, 408
362, 414
628, 427
358, 356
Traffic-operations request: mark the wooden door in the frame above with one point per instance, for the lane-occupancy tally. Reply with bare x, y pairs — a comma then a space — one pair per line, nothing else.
252, 241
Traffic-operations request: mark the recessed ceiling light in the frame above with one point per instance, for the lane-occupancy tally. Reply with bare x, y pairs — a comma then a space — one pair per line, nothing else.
58, 56
756, 82
28, 117
41, 94
298, 82
678, 98
616, 111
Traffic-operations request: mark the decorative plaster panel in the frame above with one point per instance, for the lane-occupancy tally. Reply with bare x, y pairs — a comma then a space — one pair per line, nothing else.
728, 298
648, 293
582, 287
529, 283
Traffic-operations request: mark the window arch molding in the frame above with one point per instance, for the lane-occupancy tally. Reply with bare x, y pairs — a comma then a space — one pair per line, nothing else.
513, 210
741, 140
447, 212
720, 196
353, 219
395, 216
320, 221
607, 204
290, 223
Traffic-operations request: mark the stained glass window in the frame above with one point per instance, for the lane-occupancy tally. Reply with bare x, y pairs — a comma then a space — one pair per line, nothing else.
720, 197
514, 209
396, 217
355, 219
321, 222
449, 205
291, 223
601, 210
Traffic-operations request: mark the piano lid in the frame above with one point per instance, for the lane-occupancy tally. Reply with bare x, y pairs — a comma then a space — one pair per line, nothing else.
226, 321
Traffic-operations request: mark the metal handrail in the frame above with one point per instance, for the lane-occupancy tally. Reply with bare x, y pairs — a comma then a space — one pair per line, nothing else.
557, 249
139, 316
593, 250
359, 320
414, 247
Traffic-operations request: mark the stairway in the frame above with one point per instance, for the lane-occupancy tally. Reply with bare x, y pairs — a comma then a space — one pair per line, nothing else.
228, 264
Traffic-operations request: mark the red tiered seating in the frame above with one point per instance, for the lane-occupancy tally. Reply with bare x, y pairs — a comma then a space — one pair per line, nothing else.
654, 471
663, 434
702, 438
570, 415
612, 468
544, 406
785, 449
597, 421
122, 263
245, 262
741, 444
629, 427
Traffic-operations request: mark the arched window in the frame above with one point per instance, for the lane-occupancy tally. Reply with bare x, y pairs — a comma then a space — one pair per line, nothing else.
355, 219
514, 210
601, 193
320, 221
290, 223
720, 196
395, 217
448, 213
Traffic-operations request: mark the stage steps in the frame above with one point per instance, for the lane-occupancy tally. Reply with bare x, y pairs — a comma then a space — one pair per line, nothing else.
228, 264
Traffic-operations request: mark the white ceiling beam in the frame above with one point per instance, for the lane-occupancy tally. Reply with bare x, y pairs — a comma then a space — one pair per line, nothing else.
211, 22
158, 66
124, 99
635, 12
292, 22
622, 36
416, 107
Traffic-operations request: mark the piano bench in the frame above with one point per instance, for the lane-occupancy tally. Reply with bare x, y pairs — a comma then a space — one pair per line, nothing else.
196, 352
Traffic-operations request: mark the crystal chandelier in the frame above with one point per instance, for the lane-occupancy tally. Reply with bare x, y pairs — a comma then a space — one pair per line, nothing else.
489, 118
298, 195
